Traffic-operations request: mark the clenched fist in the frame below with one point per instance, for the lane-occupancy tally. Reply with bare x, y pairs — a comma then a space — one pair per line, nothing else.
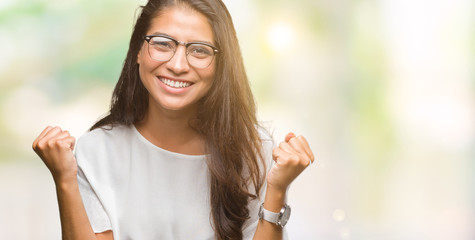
291, 157
55, 147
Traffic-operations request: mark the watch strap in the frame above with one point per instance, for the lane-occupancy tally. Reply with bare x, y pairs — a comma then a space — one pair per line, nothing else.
273, 217
269, 216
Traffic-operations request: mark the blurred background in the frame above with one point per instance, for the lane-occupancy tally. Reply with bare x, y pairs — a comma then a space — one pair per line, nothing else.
383, 90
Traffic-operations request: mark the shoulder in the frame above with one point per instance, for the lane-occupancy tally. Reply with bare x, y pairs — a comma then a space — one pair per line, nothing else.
104, 135
267, 146
264, 134
103, 144
266, 138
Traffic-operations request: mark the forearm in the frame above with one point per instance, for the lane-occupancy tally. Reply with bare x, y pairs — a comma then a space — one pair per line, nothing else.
74, 221
274, 201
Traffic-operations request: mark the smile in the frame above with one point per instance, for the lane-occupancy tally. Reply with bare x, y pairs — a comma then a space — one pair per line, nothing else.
175, 84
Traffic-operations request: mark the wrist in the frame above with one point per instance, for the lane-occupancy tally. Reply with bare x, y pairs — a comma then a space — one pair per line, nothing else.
65, 183
65, 177
275, 199
274, 209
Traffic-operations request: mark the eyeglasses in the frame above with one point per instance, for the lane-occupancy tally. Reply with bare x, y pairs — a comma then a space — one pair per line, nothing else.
162, 48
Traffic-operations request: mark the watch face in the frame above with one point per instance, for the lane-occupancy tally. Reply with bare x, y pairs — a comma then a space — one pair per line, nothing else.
285, 216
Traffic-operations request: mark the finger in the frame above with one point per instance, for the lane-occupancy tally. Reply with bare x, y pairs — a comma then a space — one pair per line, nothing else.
289, 136
42, 134
73, 144
62, 134
306, 146
278, 154
68, 142
54, 132
297, 145
300, 144
286, 147
45, 131
63, 139
70, 139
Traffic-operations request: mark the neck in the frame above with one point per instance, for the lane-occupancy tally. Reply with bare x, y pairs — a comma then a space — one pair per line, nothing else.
171, 130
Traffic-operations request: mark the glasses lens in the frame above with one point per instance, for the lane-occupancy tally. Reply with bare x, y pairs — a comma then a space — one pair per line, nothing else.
199, 55
161, 49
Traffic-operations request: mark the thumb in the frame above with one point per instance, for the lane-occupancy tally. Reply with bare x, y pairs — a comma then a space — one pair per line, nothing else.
289, 136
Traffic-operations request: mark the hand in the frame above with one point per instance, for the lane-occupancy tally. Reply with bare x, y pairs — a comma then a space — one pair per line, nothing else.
55, 147
291, 157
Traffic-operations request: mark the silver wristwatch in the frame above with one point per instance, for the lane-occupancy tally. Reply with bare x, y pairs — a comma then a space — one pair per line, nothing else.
281, 218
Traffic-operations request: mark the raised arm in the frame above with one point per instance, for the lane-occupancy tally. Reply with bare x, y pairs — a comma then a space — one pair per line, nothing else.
55, 147
291, 157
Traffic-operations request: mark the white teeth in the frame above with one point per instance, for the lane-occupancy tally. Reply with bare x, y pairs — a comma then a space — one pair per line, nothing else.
175, 84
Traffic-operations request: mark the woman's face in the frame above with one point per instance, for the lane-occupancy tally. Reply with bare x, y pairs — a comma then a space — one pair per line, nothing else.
160, 78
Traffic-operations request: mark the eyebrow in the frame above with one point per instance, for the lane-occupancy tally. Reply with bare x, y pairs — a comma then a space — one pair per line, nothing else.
193, 41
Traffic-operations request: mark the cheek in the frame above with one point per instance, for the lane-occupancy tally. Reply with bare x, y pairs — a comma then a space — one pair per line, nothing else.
144, 74
210, 73
147, 66
209, 77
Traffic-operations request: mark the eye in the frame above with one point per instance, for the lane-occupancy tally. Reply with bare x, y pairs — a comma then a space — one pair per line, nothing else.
200, 50
163, 44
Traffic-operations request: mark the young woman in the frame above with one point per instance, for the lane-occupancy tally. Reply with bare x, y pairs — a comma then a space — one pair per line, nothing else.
180, 154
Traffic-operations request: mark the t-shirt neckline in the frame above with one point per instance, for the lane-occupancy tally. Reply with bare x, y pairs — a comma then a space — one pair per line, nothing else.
148, 143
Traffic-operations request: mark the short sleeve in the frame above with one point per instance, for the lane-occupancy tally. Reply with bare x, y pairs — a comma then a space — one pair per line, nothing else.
98, 218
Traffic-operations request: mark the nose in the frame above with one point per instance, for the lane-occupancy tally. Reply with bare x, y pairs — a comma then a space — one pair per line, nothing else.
178, 63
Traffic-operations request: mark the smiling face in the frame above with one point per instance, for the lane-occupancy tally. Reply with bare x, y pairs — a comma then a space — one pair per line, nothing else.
175, 84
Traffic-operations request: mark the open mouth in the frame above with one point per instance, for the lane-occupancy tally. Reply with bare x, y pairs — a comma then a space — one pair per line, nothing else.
174, 83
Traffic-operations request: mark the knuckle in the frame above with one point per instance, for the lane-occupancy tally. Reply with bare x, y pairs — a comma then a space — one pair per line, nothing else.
284, 160
41, 145
292, 160
51, 143
296, 162
58, 143
304, 161
35, 145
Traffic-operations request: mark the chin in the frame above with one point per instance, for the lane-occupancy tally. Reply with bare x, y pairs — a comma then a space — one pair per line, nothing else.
173, 106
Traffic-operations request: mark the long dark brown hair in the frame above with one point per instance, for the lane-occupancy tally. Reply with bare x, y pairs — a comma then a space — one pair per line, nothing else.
226, 116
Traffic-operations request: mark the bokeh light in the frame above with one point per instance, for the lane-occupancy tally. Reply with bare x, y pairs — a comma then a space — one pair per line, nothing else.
281, 37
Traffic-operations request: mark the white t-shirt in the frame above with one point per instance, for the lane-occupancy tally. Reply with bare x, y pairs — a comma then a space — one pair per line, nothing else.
141, 191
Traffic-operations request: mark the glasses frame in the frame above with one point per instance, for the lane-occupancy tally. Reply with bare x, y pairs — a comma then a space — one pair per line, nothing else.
147, 38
